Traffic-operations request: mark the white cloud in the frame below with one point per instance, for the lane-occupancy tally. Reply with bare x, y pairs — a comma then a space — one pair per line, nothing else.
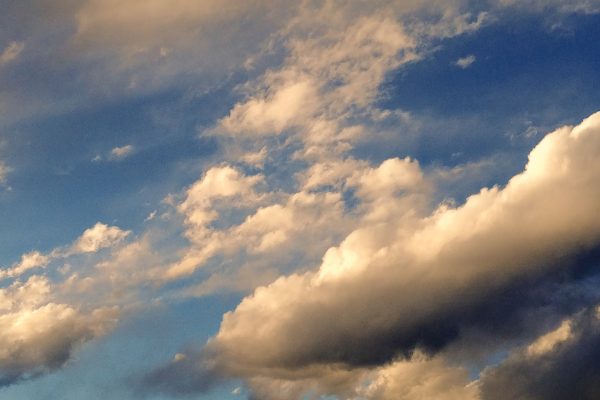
29, 261
392, 282
465, 62
39, 335
397, 273
98, 237
270, 232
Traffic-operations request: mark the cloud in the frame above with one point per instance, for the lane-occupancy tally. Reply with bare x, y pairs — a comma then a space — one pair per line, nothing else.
575, 6
465, 62
413, 282
11, 52
93, 239
4, 170
420, 377
119, 153
98, 237
46, 316
29, 261
39, 335
562, 365
397, 284
266, 233
185, 375
147, 45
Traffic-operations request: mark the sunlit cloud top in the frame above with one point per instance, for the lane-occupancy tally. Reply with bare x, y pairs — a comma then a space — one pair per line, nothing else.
299, 200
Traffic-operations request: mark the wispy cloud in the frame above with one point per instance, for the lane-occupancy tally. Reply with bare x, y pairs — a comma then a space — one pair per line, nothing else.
465, 62
11, 52
119, 153
4, 171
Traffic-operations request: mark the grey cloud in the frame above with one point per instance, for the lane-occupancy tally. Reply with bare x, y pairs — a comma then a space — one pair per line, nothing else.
187, 374
570, 370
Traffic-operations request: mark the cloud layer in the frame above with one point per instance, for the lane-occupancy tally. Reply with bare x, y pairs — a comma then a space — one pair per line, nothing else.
359, 278
395, 287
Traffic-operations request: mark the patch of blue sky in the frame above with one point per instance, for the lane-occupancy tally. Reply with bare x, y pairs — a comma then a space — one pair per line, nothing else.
527, 78
59, 186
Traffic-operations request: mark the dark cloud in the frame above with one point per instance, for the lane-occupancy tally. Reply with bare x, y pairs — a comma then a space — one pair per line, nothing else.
187, 374
571, 370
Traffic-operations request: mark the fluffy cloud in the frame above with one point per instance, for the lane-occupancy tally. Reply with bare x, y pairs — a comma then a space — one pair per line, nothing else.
275, 227
30, 260
39, 335
323, 78
338, 54
93, 239
98, 237
393, 287
401, 285
44, 318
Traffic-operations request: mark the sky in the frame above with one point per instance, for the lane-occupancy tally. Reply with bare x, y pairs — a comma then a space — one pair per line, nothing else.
316, 199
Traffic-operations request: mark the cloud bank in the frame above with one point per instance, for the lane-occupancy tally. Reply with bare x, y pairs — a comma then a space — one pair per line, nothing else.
398, 291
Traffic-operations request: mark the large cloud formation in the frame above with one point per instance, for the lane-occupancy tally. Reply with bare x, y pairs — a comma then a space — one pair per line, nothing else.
39, 335
395, 287
42, 325
407, 288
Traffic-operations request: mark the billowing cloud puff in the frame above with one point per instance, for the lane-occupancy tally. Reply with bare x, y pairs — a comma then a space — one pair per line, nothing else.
420, 282
98, 237
39, 335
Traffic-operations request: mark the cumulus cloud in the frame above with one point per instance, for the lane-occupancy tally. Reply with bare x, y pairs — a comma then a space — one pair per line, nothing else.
322, 79
396, 284
98, 237
269, 231
404, 284
39, 335
44, 315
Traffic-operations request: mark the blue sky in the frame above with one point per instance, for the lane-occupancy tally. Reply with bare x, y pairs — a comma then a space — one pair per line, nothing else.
316, 199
